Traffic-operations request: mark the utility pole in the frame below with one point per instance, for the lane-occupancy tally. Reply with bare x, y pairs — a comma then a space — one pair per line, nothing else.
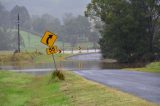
63, 45
18, 35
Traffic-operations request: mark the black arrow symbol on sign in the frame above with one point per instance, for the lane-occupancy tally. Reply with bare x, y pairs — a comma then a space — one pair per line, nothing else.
49, 37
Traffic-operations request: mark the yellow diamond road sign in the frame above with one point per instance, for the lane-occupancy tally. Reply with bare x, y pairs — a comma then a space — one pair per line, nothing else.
49, 38
52, 50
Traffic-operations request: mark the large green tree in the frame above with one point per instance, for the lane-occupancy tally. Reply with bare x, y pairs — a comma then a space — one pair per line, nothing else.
46, 22
129, 27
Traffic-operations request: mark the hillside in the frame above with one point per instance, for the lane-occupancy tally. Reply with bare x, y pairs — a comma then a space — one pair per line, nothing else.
33, 42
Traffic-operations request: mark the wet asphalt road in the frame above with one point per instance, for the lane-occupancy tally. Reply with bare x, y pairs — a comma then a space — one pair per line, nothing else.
141, 84
87, 57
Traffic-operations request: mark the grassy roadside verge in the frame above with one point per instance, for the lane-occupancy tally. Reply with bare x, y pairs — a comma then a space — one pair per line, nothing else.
153, 67
23, 89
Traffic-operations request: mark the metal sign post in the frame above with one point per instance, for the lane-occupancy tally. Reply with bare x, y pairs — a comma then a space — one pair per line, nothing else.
54, 62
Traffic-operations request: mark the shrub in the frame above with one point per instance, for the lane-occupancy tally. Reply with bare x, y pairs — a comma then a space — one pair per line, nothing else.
58, 74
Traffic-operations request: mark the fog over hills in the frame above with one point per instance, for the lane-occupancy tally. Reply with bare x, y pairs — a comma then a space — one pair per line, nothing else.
56, 8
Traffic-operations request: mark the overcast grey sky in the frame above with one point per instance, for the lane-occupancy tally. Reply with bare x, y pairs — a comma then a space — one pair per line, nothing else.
56, 8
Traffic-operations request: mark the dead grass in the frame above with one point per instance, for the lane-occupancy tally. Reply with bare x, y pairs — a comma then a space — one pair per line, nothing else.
23, 57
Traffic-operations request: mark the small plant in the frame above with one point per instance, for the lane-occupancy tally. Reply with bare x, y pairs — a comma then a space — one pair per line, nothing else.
58, 74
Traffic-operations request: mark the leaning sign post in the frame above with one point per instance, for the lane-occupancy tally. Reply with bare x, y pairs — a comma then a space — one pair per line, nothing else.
49, 39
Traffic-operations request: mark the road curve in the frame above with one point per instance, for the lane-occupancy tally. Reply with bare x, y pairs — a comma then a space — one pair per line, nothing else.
141, 84
86, 57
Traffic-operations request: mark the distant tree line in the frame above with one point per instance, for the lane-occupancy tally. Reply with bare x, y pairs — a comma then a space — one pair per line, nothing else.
130, 29
6, 37
72, 29
8, 26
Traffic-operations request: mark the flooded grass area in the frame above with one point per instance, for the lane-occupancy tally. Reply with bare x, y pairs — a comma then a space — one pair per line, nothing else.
63, 61
67, 61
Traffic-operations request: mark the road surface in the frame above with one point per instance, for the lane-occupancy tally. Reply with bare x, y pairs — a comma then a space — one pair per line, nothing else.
141, 84
87, 57
144, 85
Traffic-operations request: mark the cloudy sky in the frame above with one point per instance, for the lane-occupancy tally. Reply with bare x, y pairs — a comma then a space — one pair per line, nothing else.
56, 8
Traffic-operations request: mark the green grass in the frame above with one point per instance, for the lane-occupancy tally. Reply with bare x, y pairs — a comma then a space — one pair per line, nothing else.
30, 40
152, 67
23, 89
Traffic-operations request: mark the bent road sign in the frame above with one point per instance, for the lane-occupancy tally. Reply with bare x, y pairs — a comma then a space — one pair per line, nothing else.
52, 50
49, 38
